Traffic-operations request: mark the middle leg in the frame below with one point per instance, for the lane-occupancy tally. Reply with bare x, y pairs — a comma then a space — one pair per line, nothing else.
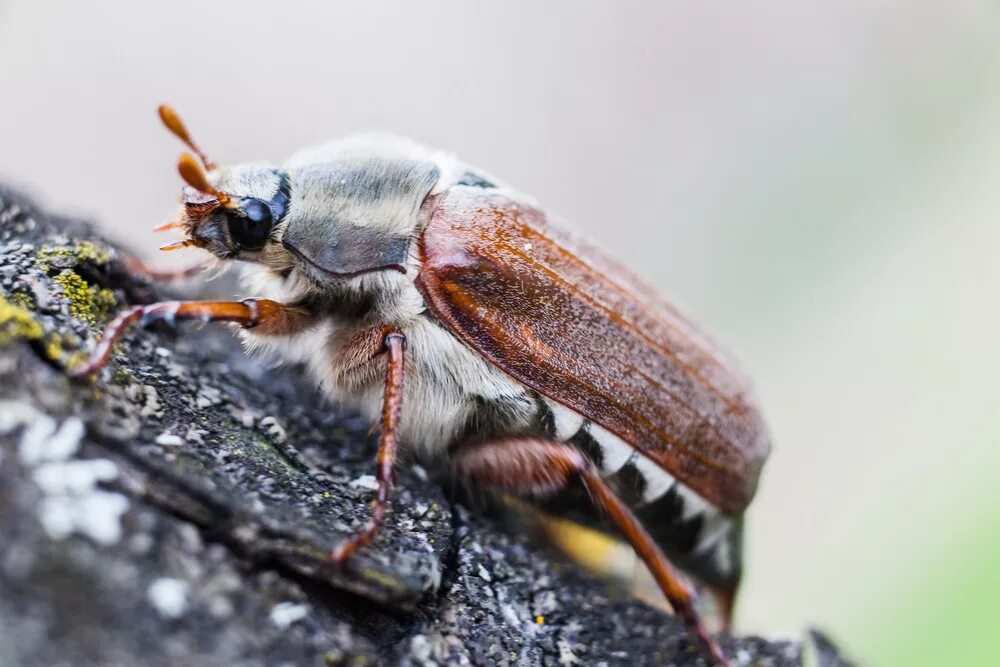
393, 345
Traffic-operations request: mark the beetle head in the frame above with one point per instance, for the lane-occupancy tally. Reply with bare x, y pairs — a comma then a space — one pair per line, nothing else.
233, 212
354, 214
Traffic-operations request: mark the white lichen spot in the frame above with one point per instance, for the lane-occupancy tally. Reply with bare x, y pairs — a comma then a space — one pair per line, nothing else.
174, 369
510, 616
207, 397
72, 501
248, 418
545, 603
14, 414
169, 597
76, 478
163, 352
43, 441
566, 655
420, 649
257, 506
196, 435
151, 402
273, 429
365, 482
484, 573
96, 515
34, 441
168, 439
285, 614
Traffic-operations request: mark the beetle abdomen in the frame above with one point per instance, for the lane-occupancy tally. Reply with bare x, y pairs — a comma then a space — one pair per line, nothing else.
698, 537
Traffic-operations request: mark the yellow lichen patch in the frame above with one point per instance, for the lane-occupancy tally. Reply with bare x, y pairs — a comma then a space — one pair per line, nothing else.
22, 300
17, 323
86, 302
122, 377
540, 620
63, 349
80, 251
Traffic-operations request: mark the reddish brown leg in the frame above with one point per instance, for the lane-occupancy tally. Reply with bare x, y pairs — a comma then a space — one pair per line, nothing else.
269, 317
392, 403
139, 268
725, 600
534, 466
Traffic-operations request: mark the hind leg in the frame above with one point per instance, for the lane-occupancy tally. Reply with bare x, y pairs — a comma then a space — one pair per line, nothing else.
527, 465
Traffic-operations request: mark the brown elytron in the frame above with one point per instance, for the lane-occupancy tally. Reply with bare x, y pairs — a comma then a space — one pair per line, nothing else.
579, 329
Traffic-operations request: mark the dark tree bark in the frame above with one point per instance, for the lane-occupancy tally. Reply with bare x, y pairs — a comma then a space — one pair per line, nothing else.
178, 510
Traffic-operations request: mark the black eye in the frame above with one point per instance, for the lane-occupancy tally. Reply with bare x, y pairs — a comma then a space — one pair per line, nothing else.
250, 230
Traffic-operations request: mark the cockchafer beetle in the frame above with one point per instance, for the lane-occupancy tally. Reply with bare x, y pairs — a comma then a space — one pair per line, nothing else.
534, 365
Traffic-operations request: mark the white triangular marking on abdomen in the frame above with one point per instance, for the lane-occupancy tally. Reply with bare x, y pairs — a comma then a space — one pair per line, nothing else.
693, 503
713, 530
658, 480
614, 451
566, 422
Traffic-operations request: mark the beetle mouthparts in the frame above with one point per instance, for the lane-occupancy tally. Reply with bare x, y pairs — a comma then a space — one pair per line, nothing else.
177, 245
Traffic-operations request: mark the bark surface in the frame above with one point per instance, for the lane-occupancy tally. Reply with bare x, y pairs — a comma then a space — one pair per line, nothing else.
178, 509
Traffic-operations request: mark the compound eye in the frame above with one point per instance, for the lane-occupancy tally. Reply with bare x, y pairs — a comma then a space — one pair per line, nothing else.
251, 229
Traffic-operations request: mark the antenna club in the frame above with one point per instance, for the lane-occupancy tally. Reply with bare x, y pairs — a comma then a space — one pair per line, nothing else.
173, 122
195, 176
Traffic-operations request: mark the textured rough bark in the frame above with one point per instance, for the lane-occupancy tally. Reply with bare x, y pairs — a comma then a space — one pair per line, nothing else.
178, 510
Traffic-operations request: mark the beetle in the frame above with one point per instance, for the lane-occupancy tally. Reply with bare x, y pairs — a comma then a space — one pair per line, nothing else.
494, 342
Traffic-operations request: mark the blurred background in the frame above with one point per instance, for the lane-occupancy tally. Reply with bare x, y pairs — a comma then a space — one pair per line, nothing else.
818, 183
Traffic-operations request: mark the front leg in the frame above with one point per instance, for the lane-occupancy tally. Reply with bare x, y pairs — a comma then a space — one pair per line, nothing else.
393, 344
268, 317
139, 268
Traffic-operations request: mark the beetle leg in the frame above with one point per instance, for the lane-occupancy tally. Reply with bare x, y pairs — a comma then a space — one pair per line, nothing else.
268, 317
393, 344
725, 600
528, 465
139, 268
